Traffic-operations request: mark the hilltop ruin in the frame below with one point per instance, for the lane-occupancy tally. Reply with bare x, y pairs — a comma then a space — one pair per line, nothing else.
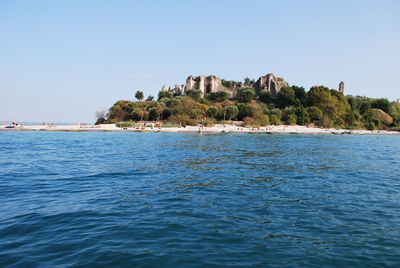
212, 83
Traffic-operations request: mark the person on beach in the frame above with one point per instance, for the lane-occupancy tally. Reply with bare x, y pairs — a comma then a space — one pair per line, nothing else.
201, 127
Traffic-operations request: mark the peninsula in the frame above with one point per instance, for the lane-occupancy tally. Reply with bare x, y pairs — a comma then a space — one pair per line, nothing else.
267, 101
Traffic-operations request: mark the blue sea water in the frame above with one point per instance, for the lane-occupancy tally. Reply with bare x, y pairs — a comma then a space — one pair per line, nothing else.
188, 200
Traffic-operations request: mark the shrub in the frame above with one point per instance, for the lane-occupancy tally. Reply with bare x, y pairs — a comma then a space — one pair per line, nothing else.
250, 122
351, 118
315, 113
182, 120
265, 96
326, 122
139, 114
274, 111
245, 110
370, 125
365, 106
156, 113
246, 94
219, 96
227, 84
212, 112
209, 122
165, 94
290, 110
274, 120
303, 117
292, 119
203, 101
382, 104
194, 94
286, 97
248, 81
264, 120
231, 112
126, 124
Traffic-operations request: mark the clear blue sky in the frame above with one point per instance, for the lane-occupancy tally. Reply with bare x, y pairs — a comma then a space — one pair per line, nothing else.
60, 61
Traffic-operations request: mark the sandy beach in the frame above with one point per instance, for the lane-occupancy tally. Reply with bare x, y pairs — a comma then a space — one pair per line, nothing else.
218, 128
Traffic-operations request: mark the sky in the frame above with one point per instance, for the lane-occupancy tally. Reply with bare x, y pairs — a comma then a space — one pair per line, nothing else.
61, 61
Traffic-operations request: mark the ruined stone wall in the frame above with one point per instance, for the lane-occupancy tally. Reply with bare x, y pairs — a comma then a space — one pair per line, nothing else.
270, 83
205, 84
212, 83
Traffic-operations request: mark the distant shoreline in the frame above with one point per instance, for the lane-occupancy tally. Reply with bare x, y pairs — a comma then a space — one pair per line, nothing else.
283, 129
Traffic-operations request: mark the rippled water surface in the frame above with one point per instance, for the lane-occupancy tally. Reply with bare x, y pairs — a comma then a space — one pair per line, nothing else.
181, 200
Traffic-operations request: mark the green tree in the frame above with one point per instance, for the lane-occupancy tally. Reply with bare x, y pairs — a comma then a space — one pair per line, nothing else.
245, 110
350, 118
188, 106
289, 110
303, 117
139, 114
292, 119
274, 111
117, 113
248, 81
226, 83
365, 106
150, 98
246, 94
286, 97
194, 94
394, 111
219, 96
203, 101
382, 104
139, 95
212, 111
156, 112
231, 112
165, 94
355, 102
300, 95
264, 120
332, 103
315, 113
265, 96
274, 120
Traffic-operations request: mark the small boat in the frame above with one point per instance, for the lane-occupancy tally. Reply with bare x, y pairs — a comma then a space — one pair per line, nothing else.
10, 126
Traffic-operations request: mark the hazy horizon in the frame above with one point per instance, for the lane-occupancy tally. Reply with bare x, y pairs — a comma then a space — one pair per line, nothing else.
60, 61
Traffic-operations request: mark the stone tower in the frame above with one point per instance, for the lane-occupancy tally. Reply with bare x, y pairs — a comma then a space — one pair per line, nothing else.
341, 87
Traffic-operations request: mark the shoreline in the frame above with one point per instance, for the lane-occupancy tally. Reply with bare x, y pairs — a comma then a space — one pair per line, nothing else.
218, 128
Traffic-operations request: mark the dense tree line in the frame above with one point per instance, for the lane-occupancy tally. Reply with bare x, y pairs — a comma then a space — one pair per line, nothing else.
320, 106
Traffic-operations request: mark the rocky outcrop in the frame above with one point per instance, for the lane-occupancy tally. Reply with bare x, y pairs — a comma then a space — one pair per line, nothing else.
270, 83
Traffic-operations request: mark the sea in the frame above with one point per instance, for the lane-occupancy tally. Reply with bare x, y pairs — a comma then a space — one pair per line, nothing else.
109, 199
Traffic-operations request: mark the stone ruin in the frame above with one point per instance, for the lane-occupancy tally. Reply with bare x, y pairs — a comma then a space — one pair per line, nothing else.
341, 87
212, 83
270, 83
205, 84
